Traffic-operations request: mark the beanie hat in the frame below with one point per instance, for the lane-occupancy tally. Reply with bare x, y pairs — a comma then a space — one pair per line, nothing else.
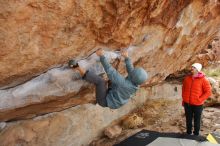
138, 76
198, 66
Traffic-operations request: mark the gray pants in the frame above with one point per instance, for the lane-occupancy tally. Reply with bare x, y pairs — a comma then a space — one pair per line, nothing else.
101, 88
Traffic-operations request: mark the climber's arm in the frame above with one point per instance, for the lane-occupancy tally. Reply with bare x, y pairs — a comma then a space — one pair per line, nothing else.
111, 72
129, 65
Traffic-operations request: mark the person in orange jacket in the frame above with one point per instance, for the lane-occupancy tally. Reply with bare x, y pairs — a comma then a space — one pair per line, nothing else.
195, 90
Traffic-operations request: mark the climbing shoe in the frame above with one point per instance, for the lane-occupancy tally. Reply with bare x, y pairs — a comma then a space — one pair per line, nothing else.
73, 64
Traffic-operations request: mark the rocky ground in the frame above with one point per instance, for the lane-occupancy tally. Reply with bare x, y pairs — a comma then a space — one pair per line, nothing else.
164, 116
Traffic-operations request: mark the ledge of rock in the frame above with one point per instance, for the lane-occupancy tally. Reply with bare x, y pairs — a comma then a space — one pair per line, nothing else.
78, 125
39, 37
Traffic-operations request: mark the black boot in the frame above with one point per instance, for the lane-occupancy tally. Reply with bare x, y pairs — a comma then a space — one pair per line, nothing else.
73, 64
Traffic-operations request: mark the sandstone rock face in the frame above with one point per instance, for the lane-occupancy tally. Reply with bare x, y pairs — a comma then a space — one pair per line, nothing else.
212, 52
76, 126
216, 47
37, 36
215, 97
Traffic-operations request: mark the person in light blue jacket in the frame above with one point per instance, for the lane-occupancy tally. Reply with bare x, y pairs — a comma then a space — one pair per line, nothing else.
121, 89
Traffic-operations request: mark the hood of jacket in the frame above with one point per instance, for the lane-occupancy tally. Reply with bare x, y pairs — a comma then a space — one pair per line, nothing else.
138, 76
199, 75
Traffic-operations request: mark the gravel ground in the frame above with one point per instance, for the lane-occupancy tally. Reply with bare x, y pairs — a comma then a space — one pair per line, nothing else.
164, 116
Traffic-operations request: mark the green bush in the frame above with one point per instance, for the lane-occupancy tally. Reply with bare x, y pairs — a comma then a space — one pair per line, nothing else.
212, 72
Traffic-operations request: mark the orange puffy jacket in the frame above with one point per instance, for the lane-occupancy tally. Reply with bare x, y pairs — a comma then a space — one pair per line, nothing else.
196, 90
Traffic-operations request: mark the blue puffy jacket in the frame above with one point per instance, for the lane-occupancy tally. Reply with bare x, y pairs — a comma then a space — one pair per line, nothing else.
122, 89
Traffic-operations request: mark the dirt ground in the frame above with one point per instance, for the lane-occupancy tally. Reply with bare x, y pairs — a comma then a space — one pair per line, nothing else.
163, 116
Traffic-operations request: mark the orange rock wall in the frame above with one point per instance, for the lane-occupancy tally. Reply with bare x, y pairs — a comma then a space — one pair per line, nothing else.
38, 35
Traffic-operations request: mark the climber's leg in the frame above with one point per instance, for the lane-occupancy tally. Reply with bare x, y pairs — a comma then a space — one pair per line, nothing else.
101, 88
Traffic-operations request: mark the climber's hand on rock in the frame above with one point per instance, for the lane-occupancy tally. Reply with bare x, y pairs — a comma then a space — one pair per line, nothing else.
100, 52
124, 53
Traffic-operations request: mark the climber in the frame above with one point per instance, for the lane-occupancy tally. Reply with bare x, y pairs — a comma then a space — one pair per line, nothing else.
195, 90
121, 89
